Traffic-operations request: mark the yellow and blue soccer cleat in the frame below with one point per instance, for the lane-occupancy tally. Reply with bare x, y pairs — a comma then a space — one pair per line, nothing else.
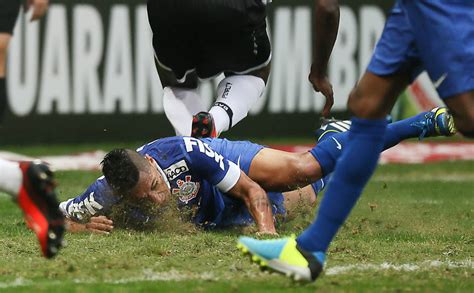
438, 121
284, 256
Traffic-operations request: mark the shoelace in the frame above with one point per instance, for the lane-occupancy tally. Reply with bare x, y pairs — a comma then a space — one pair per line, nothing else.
426, 125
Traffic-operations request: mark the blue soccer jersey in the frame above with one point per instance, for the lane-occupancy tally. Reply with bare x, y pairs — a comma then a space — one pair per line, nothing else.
199, 173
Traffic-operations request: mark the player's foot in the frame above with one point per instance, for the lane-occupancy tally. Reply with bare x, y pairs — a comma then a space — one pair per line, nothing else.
203, 125
331, 126
438, 121
283, 256
37, 199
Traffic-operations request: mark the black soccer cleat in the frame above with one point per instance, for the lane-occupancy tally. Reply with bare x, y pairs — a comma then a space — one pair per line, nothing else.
203, 126
331, 125
37, 199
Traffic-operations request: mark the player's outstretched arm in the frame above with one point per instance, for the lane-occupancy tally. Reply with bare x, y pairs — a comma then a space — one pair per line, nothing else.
326, 25
257, 203
39, 8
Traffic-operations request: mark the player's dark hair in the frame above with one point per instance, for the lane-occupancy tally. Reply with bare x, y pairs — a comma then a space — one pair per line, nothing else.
121, 169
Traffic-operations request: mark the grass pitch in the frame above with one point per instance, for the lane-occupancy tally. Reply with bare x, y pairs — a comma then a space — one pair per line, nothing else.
411, 231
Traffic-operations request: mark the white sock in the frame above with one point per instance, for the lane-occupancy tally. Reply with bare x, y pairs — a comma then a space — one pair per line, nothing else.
11, 177
235, 96
180, 105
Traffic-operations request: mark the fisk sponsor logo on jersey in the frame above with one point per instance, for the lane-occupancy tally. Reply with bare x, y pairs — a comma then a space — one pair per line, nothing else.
190, 143
175, 170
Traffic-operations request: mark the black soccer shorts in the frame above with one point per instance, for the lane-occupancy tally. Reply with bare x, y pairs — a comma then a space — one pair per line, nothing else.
9, 10
209, 36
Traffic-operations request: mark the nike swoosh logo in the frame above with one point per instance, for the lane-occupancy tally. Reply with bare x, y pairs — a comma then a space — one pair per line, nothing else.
338, 145
238, 162
440, 80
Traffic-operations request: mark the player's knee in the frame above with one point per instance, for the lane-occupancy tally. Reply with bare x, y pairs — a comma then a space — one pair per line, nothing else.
307, 171
363, 105
328, 6
465, 124
355, 103
3, 52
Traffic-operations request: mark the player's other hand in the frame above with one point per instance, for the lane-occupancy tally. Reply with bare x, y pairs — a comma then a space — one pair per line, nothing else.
39, 8
100, 224
321, 84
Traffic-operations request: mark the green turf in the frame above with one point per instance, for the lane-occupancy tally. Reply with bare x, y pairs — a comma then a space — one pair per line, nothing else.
409, 215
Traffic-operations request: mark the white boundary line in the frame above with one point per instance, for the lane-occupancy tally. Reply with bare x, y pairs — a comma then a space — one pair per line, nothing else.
408, 267
174, 275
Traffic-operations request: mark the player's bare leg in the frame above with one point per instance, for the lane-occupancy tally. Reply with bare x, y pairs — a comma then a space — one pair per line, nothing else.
374, 96
277, 170
4, 42
305, 196
462, 109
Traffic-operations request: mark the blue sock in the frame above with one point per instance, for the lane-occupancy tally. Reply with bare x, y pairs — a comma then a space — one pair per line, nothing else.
358, 162
327, 151
319, 185
403, 129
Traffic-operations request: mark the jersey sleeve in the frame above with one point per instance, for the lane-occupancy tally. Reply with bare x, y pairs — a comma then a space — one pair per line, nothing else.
211, 165
96, 200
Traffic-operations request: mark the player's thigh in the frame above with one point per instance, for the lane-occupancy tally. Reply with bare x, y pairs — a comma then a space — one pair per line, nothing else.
444, 36
4, 42
277, 170
462, 108
9, 10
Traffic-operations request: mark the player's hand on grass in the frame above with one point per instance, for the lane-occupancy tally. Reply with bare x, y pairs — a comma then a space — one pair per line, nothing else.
321, 84
39, 8
100, 224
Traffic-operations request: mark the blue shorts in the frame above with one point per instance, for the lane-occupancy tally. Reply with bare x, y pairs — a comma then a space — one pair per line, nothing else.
432, 35
228, 211
239, 152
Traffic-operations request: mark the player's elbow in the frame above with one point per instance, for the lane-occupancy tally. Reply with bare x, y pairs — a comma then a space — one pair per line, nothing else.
254, 192
327, 6
254, 197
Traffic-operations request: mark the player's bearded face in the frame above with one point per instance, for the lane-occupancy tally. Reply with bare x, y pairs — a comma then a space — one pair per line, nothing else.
151, 187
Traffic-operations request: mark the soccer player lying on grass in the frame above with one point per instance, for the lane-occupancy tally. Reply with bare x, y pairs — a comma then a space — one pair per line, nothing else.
226, 182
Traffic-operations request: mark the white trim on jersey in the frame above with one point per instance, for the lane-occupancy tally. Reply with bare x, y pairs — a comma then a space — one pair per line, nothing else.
230, 179
163, 175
